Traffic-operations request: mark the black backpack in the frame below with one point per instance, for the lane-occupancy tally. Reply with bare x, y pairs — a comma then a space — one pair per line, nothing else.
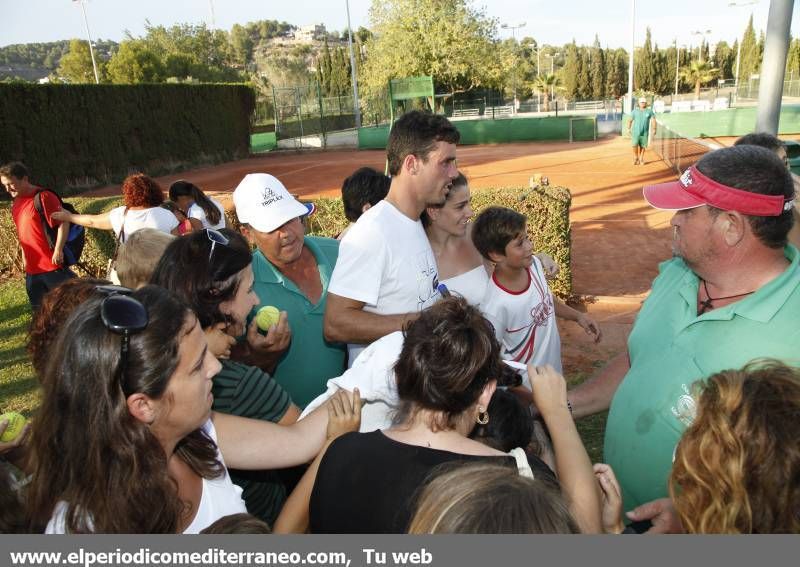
75, 239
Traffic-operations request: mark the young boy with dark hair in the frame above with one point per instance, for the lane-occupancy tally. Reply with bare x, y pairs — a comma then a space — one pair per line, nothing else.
518, 301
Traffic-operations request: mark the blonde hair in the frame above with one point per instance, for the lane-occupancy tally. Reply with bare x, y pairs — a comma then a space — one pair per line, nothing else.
138, 256
737, 467
489, 499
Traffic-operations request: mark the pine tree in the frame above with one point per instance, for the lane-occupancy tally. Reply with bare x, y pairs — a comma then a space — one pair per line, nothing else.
598, 71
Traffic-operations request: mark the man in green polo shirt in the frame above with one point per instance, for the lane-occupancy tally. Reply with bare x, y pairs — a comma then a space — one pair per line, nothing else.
730, 295
639, 124
291, 272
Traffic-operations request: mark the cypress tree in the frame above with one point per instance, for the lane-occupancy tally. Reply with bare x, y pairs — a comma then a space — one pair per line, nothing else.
750, 62
571, 71
598, 71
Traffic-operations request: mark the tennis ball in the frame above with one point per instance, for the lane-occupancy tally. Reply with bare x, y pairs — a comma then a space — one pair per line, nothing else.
16, 421
267, 316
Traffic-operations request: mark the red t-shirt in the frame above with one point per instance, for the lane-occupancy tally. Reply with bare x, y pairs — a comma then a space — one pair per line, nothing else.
38, 255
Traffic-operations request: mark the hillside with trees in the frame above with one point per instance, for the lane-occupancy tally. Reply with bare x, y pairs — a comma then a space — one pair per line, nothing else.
456, 43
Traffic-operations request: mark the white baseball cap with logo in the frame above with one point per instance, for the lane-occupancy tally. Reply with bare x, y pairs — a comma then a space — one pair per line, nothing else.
263, 202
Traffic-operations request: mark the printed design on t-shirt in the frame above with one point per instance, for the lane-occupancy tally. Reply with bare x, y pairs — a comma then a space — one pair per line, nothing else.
685, 408
427, 280
524, 348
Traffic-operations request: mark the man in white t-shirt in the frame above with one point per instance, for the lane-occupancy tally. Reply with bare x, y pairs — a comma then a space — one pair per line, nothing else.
386, 272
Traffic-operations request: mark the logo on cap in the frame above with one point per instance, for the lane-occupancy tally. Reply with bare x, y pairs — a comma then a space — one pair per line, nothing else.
686, 178
269, 197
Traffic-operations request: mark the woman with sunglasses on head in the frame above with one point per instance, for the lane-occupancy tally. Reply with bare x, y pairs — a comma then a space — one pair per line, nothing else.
211, 271
197, 205
141, 208
126, 441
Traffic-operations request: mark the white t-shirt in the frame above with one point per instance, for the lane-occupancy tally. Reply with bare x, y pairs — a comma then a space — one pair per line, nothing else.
220, 498
470, 285
386, 261
195, 212
373, 375
525, 321
154, 217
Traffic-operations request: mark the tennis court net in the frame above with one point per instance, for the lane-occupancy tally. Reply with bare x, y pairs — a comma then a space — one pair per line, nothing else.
678, 151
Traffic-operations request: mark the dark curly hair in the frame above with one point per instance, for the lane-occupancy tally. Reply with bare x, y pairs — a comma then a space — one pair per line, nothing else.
57, 306
140, 190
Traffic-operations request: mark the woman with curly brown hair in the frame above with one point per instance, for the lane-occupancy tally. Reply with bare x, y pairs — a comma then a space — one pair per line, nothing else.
56, 308
737, 466
141, 208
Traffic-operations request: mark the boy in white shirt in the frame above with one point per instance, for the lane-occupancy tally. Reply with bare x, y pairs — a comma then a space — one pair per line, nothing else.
518, 301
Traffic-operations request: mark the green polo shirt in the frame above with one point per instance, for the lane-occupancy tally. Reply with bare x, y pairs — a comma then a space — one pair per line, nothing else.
641, 121
670, 348
310, 361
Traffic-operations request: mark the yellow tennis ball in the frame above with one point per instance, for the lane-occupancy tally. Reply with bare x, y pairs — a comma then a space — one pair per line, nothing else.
267, 316
16, 421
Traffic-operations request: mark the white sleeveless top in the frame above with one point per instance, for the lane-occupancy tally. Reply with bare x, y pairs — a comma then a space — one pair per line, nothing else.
220, 498
470, 285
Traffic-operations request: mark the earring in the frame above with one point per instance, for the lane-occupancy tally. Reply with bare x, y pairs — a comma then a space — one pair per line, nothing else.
483, 416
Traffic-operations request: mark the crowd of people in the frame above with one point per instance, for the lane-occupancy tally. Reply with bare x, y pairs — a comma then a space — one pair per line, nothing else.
412, 379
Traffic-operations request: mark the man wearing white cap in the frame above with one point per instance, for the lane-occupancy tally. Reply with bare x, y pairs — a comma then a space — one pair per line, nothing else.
639, 125
291, 272
387, 273
731, 294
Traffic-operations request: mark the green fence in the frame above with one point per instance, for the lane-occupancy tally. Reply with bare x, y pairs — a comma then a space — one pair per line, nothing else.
551, 128
263, 142
718, 123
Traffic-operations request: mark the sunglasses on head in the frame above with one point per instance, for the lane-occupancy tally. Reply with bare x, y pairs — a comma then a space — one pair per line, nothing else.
122, 315
216, 237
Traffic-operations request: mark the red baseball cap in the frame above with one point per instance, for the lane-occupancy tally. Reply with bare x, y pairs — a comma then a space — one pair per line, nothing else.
693, 189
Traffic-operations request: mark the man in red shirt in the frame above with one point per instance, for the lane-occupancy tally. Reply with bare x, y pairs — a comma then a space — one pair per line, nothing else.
44, 267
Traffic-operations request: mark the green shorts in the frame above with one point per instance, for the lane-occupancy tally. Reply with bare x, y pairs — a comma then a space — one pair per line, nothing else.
639, 140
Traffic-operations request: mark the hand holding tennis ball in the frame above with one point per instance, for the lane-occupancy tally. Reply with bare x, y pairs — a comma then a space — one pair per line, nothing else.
267, 316
15, 423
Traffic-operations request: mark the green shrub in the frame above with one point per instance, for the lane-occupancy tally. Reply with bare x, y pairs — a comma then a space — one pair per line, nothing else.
85, 135
547, 209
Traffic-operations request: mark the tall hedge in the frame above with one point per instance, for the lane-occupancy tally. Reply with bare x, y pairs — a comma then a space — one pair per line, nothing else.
547, 210
87, 134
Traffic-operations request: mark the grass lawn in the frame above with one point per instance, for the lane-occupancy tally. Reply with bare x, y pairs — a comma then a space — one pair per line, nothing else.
18, 387
19, 392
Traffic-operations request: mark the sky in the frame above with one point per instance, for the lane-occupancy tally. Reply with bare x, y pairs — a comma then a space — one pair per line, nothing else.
549, 21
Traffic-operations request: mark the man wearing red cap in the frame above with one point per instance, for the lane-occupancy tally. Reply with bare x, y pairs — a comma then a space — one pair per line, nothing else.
731, 294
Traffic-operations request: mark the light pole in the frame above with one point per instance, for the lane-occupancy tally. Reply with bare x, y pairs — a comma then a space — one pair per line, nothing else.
701, 33
739, 48
89, 35
552, 71
677, 63
630, 57
514, 39
353, 70
213, 18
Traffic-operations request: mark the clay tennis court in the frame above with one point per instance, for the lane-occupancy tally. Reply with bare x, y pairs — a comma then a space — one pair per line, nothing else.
617, 239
